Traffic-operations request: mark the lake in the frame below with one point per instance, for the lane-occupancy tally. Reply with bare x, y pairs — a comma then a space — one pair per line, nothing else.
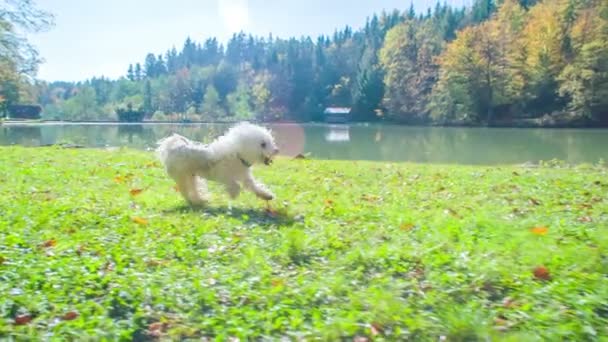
485, 146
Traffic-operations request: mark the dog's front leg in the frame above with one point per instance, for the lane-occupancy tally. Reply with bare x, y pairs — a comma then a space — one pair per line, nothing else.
233, 188
257, 188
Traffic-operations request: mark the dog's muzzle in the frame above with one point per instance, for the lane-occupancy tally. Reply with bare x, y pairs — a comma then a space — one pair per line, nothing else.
268, 160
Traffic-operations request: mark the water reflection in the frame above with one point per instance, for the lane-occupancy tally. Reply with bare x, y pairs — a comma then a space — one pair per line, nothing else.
351, 142
337, 133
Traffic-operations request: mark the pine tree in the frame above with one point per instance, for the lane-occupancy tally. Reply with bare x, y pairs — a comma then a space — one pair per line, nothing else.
137, 74
147, 93
211, 108
130, 73
151, 66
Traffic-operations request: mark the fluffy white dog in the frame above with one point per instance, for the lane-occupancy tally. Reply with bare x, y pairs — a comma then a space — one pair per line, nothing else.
227, 160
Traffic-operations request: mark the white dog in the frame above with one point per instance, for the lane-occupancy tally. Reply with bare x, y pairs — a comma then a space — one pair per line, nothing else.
227, 160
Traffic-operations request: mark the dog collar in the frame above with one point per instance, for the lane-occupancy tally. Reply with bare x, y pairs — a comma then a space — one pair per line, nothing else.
245, 163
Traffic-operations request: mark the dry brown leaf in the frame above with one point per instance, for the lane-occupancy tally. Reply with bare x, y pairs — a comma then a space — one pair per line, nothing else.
540, 230
371, 198
49, 243
23, 319
585, 219
271, 212
508, 302
157, 329
277, 282
500, 321
109, 266
541, 273
406, 226
376, 329
71, 315
135, 192
156, 262
80, 249
140, 220
452, 212
360, 339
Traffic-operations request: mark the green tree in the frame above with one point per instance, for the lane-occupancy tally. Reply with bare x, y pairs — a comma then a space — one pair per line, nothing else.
585, 80
211, 108
19, 60
239, 103
408, 59
131, 73
147, 103
137, 72
83, 105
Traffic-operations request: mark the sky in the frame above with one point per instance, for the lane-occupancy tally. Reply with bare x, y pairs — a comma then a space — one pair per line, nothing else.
101, 37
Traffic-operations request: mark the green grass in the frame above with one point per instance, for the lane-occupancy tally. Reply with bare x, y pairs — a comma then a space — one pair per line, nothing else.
350, 249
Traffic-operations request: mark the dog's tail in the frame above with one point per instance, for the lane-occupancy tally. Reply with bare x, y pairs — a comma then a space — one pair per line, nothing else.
167, 144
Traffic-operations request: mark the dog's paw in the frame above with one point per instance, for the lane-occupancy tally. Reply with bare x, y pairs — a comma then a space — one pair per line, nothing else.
267, 196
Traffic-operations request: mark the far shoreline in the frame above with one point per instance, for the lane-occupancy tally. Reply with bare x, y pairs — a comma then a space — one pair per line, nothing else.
527, 124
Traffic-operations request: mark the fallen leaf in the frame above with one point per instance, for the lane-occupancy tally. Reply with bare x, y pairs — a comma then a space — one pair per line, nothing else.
80, 249
71, 315
534, 201
508, 302
119, 179
328, 203
406, 226
375, 329
452, 212
500, 321
140, 220
49, 243
156, 262
541, 273
585, 219
370, 198
135, 192
156, 326
23, 319
156, 329
540, 230
277, 282
109, 266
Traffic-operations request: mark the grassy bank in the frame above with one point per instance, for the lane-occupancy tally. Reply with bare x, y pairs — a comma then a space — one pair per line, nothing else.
98, 243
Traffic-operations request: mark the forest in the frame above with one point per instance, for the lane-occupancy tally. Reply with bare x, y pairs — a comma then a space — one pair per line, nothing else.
493, 63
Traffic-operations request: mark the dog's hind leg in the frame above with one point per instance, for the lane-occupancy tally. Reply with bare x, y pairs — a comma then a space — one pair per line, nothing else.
233, 188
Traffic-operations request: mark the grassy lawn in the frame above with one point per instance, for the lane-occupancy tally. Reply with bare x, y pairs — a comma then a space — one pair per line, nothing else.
97, 243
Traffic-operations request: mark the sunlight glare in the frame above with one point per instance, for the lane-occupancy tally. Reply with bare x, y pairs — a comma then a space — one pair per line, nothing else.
234, 14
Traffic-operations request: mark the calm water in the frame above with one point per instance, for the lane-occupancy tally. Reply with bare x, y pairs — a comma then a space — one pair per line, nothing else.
354, 142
